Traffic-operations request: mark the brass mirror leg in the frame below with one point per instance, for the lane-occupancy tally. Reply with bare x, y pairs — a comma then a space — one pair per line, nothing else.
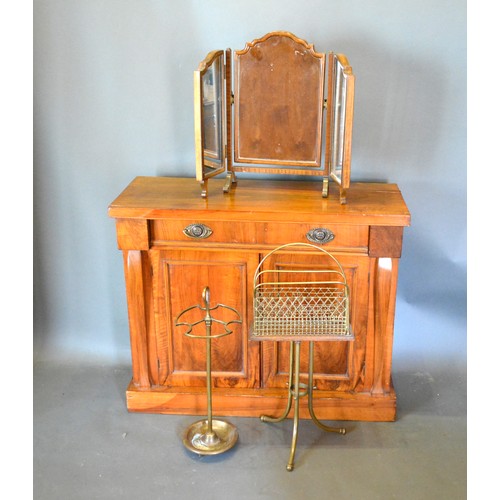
227, 184
204, 188
265, 418
340, 430
296, 396
324, 192
230, 179
343, 196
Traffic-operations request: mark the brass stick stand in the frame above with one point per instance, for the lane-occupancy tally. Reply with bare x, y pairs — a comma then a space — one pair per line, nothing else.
209, 436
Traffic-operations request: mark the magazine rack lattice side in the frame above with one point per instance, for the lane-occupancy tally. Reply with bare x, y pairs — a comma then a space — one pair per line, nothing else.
299, 305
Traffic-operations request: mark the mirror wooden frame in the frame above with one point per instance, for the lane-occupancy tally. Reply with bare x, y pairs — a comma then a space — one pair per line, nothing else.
291, 112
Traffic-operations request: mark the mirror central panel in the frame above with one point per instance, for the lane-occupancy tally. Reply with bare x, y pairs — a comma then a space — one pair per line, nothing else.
278, 98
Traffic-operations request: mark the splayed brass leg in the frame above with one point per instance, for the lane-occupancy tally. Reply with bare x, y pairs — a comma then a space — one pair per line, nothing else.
295, 390
266, 418
340, 430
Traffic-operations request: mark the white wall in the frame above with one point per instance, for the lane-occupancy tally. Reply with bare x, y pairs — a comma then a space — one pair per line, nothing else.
113, 100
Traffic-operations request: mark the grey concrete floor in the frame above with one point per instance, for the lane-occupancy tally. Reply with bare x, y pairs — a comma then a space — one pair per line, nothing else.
87, 446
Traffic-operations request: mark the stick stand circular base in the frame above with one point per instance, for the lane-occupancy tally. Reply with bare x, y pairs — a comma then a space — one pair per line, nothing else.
198, 438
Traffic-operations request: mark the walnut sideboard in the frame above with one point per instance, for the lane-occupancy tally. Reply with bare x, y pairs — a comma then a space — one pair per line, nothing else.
175, 243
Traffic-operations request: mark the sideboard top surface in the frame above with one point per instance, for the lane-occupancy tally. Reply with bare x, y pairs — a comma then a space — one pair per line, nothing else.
256, 200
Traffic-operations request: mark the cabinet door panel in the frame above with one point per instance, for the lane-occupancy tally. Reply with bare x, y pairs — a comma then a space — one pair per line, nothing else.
338, 365
180, 277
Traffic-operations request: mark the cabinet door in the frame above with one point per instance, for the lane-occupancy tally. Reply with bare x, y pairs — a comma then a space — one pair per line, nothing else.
338, 365
179, 280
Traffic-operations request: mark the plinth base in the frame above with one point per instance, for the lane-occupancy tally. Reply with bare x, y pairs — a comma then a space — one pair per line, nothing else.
232, 402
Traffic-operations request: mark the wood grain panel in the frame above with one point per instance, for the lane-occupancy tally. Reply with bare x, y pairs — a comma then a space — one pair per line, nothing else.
346, 237
338, 365
182, 276
386, 241
151, 198
132, 234
278, 101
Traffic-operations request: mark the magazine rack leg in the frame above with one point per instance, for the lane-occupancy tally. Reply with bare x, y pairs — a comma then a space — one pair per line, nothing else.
266, 418
310, 388
296, 390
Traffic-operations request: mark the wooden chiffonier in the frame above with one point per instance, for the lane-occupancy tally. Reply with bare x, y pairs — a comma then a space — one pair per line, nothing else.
175, 243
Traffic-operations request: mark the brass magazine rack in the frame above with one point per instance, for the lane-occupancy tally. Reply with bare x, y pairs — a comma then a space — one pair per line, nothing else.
300, 304
209, 436
275, 107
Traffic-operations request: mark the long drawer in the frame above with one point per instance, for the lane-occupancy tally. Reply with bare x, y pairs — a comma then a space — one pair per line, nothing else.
195, 232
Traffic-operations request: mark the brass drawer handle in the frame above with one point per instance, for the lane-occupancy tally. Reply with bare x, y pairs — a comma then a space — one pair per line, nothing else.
320, 235
197, 231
